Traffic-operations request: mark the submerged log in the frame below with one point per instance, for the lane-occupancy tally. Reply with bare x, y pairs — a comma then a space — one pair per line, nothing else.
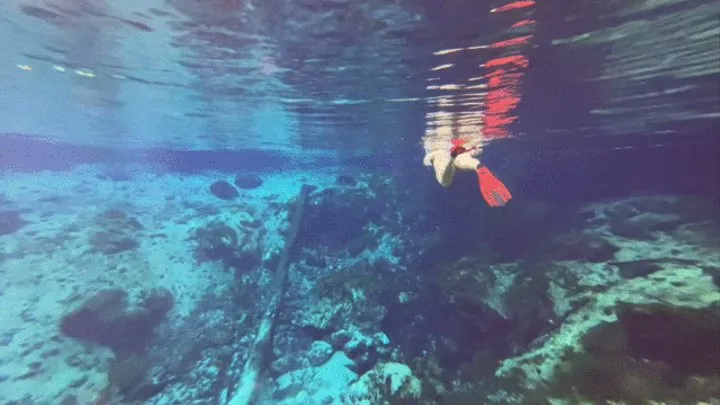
245, 386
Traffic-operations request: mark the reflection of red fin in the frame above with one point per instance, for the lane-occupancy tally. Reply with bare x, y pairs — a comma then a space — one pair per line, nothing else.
523, 23
513, 6
496, 133
519, 61
512, 42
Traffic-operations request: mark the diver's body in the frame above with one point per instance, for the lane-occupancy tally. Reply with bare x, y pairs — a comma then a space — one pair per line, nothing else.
446, 162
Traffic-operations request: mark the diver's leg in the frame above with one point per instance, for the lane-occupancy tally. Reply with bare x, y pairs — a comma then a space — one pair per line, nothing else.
466, 162
492, 189
444, 168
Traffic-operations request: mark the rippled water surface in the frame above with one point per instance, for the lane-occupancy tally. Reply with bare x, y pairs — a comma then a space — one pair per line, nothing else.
359, 77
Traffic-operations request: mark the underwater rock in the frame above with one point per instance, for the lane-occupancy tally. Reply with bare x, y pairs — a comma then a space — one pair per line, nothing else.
363, 347
515, 233
621, 211
714, 273
643, 227
248, 181
106, 320
657, 205
127, 373
217, 241
346, 180
41, 13
337, 217
653, 352
116, 173
661, 333
631, 230
704, 234
511, 300
224, 190
478, 292
352, 341
334, 219
245, 262
315, 261
291, 384
343, 297
70, 400
640, 218
579, 246
645, 267
10, 222
117, 220
320, 351
385, 382
320, 316
198, 340
355, 284
530, 307
111, 243
286, 364
629, 338
130, 376
638, 268
323, 384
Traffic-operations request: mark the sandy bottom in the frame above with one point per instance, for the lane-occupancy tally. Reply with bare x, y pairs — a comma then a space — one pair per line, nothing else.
49, 266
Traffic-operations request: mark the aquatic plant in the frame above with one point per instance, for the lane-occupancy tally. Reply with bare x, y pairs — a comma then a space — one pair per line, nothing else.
127, 373
118, 232
216, 241
129, 378
350, 285
219, 242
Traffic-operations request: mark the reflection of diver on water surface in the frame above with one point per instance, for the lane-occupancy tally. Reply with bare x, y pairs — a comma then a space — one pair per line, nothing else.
455, 140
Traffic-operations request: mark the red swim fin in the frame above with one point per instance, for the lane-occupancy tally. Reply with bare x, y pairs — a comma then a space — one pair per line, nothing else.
492, 189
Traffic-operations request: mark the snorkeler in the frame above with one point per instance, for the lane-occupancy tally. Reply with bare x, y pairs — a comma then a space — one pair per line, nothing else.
458, 157
446, 141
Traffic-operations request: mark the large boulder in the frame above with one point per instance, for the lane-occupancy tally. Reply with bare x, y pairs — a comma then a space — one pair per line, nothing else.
224, 190
385, 383
644, 338
248, 181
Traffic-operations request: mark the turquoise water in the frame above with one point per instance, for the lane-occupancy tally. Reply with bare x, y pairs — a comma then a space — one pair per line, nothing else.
225, 202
